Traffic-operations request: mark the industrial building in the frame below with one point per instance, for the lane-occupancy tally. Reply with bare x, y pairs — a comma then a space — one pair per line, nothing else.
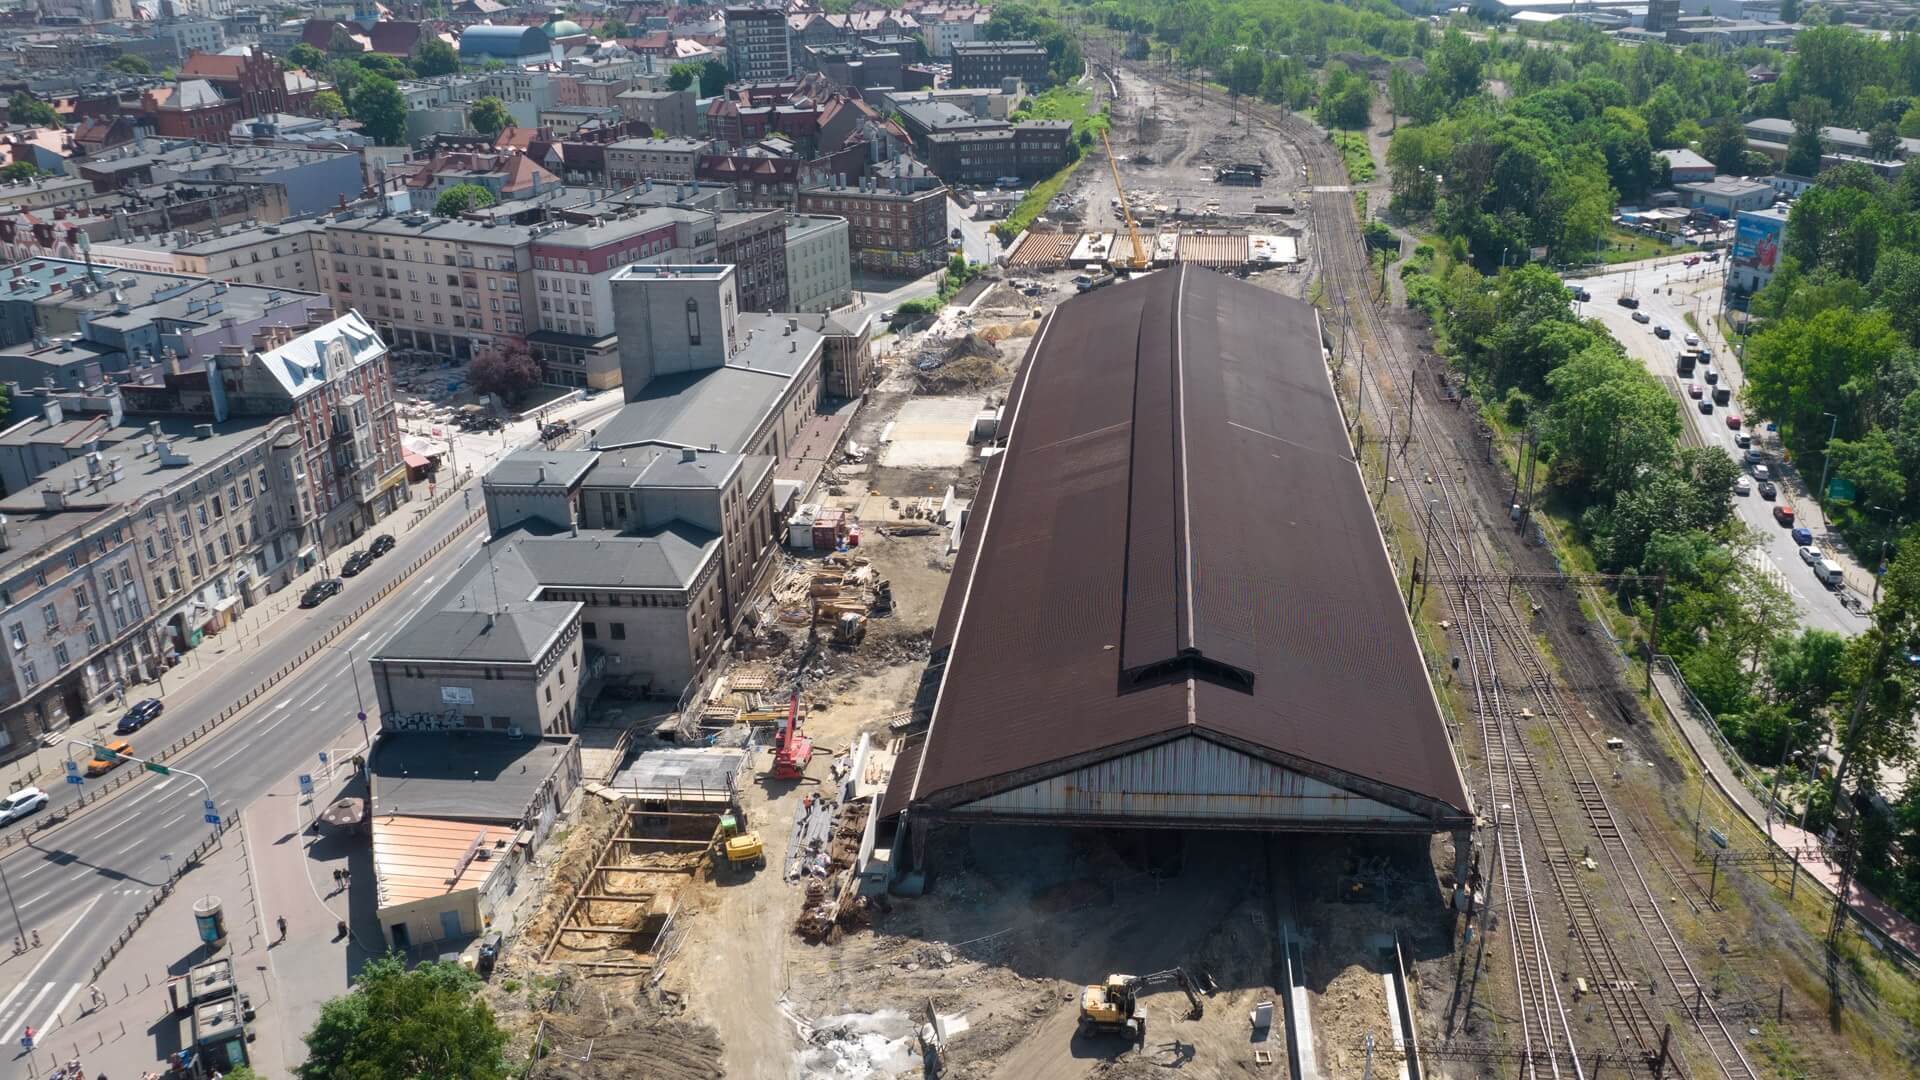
1173, 607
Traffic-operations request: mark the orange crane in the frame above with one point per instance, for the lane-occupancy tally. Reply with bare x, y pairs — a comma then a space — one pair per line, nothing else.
794, 750
1140, 261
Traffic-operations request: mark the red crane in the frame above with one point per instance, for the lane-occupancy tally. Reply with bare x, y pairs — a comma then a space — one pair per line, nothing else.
794, 750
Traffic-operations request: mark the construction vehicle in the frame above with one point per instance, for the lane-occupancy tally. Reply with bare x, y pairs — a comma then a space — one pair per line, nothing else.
738, 850
1113, 1007
793, 752
850, 630
1139, 260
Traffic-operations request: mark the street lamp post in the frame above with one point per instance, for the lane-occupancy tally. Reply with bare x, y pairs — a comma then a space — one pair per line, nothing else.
1826, 457
19, 925
353, 668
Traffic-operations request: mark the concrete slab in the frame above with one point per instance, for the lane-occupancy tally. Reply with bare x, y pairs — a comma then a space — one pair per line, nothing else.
931, 433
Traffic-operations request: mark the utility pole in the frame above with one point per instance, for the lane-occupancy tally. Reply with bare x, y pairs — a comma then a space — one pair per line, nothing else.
1826, 457
19, 925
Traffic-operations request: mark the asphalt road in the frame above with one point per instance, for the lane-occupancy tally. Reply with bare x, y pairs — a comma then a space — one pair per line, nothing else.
976, 237
1693, 292
89, 876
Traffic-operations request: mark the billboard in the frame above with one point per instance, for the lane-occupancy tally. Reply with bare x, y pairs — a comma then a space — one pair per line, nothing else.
1756, 241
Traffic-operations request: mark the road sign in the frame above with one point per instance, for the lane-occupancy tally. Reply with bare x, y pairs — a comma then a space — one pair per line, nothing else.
75, 778
323, 757
306, 784
207, 805
213, 819
159, 769
73, 766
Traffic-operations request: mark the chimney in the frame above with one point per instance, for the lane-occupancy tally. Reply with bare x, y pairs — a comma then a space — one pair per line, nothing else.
56, 499
688, 454
204, 431
93, 463
543, 474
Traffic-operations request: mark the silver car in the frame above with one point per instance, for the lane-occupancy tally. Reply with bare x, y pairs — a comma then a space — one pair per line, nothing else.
21, 803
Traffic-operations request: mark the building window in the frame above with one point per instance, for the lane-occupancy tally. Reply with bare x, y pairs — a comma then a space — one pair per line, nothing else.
93, 636
173, 579
28, 675
61, 656
51, 616
693, 321
589, 631
17, 634
619, 631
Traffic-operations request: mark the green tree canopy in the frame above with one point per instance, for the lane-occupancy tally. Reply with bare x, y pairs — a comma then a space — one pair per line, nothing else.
24, 108
680, 76
306, 56
489, 116
714, 77
461, 198
435, 57
396, 1023
381, 110
327, 103
131, 64
1609, 420
19, 170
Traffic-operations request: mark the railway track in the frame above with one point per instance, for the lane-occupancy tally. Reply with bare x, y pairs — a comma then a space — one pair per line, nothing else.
1492, 629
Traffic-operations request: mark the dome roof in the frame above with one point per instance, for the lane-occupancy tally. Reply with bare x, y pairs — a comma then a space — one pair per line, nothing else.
506, 42
560, 28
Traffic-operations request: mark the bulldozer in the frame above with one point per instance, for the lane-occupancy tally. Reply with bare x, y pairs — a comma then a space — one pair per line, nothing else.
1113, 1007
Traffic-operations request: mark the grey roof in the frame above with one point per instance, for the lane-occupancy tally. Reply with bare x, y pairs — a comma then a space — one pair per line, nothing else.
541, 468
801, 226
438, 228
721, 408
478, 776
299, 365
1725, 185
1684, 159
667, 558
692, 146
518, 634
141, 473
214, 245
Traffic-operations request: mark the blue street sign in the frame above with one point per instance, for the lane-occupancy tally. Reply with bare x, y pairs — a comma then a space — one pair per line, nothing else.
306, 784
73, 766
207, 805
213, 819
323, 757
26, 1042
74, 779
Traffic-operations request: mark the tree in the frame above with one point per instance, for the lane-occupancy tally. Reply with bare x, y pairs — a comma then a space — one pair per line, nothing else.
381, 110
400, 1023
1608, 421
680, 76
507, 374
615, 27
1872, 464
1726, 145
387, 67
24, 108
1346, 100
306, 56
714, 77
1800, 369
132, 65
19, 170
489, 116
1789, 11
1805, 145
435, 57
1883, 142
327, 103
460, 198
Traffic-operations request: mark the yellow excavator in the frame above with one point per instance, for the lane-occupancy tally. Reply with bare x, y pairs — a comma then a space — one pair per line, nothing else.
1113, 1007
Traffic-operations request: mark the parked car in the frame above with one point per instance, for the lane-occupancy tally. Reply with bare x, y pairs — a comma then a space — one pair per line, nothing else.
1783, 514
1767, 490
1692, 339
320, 590
1694, 390
381, 545
1802, 535
1810, 554
21, 803
142, 714
1642, 317
1742, 440
1742, 486
355, 563
1706, 407
116, 752
1733, 420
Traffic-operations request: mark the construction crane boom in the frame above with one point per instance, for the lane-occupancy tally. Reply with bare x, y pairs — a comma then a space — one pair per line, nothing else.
1133, 231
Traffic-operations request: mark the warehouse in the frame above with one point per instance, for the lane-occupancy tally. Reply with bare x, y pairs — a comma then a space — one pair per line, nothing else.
1173, 608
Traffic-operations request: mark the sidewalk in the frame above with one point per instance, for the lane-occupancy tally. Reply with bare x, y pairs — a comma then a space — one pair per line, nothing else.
1790, 839
181, 687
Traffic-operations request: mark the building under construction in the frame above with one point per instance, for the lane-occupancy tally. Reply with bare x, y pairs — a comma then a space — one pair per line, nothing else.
1173, 607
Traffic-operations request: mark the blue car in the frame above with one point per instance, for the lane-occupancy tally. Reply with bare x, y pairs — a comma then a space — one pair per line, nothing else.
1802, 535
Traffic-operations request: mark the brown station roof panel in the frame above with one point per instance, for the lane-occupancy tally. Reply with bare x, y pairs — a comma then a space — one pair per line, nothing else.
1177, 541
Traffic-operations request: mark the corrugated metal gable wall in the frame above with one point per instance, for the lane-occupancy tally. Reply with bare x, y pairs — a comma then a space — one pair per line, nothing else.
1189, 777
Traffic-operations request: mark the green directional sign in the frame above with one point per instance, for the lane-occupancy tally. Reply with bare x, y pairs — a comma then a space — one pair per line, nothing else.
1840, 490
156, 767
104, 754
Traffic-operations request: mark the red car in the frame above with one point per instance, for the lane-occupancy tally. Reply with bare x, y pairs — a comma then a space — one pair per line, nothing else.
1783, 514
1693, 390
1733, 420
1691, 260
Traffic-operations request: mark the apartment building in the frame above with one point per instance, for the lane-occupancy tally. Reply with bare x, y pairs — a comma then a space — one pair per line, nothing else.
754, 242
572, 270
819, 263
891, 231
671, 111
630, 161
758, 44
990, 63
434, 285
279, 255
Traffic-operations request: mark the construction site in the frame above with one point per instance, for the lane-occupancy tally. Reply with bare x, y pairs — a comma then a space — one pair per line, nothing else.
1048, 756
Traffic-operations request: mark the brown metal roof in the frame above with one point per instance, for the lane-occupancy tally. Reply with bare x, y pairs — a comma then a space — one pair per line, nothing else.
1178, 541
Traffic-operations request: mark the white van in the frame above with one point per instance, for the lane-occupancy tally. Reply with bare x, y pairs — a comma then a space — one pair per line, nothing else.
1828, 572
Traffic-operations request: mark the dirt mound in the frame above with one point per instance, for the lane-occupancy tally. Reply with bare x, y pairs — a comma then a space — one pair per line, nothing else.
630, 1049
974, 344
999, 332
965, 374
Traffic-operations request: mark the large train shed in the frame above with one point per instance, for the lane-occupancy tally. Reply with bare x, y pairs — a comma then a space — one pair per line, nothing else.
1173, 607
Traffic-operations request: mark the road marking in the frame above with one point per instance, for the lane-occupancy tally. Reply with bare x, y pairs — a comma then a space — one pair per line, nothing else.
131, 845
284, 702
363, 637
431, 580
317, 706
15, 1028
7, 1002
78, 921
28, 902
54, 1016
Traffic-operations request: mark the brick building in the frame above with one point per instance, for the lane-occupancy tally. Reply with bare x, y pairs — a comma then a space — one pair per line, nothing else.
891, 231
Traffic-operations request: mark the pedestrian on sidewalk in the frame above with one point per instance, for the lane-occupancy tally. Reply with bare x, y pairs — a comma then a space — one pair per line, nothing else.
337, 882
282, 922
95, 996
